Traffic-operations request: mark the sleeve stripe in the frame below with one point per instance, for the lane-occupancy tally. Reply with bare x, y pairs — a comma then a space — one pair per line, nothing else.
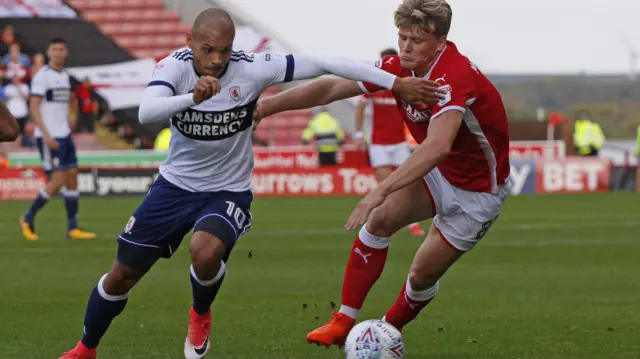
449, 108
163, 83
288, 76
363, 87
37, 95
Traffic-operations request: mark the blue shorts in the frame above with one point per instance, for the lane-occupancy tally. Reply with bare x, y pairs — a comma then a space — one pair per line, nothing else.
169, 212
61, 159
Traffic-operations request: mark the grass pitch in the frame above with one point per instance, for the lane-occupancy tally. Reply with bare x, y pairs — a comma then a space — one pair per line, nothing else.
556, 277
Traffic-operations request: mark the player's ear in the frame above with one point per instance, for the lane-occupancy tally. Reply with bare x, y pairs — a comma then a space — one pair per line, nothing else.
442, 43
190, 40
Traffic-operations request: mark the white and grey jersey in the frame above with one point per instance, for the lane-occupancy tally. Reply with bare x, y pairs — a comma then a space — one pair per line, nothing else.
210, 148
54, 87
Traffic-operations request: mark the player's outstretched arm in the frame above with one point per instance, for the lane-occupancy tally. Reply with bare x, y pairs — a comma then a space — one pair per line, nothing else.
9, 129
318, 92
417, 91
329, 89
308, 67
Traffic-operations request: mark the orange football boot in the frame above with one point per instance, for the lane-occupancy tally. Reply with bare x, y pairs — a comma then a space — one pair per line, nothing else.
335, 332
198, 342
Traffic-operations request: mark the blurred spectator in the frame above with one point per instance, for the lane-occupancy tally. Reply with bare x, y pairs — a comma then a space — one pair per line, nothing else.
587, 136
7, 38
15, 66
162, 140
38, 62
17, 94
328, 135
87, 107
15, 55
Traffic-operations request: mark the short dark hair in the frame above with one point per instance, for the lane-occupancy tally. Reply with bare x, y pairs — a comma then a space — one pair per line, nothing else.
58, 40
388, 52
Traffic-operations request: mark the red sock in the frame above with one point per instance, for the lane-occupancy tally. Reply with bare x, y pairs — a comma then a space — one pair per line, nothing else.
363, 270
405, 309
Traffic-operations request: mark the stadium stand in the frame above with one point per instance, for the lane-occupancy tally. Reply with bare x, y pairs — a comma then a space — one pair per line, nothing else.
145, 28
113, 31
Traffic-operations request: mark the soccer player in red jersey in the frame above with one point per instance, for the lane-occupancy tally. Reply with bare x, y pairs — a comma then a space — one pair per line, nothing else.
458, 175
386, 139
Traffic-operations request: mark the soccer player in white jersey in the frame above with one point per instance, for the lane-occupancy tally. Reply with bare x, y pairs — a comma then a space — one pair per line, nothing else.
49, 108
209, 93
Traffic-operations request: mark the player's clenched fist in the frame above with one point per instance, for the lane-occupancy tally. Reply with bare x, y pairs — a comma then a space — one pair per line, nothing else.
205, 88
418, 91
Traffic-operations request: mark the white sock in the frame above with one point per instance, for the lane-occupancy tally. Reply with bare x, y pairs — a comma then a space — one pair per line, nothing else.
348, 311
424, 295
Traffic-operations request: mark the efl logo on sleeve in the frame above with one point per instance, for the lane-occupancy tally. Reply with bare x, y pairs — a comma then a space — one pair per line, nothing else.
447, 97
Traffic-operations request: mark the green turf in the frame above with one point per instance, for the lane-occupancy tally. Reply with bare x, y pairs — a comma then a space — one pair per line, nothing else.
556, 277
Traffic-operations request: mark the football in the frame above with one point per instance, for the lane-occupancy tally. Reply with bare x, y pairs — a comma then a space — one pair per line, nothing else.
374, 339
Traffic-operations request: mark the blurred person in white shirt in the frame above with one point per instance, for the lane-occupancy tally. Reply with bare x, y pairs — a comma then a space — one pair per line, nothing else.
14, 66
16, 94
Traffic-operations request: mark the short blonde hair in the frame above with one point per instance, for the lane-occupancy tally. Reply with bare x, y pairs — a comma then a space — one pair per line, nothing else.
433, 16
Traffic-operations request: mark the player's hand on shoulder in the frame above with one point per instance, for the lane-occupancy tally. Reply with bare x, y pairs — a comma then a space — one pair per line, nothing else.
206, 88
418, 91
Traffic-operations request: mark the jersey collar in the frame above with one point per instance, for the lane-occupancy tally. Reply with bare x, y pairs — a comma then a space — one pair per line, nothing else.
221, 74
428, 75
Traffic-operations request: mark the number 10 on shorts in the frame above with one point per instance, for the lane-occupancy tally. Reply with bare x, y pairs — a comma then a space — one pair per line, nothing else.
236, 213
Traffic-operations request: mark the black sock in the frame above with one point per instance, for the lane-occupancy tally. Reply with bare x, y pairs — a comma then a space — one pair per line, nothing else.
205, 292
101, 310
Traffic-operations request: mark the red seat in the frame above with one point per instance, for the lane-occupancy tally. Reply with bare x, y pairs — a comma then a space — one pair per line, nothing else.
86, 5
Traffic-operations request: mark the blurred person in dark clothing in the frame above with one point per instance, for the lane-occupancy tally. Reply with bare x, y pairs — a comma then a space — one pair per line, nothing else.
7, 38
38, 62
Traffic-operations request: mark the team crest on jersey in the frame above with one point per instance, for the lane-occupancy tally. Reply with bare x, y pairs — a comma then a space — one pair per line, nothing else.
447, 96
234, 93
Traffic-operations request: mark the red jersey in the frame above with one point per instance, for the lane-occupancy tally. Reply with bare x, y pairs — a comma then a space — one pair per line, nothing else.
479, 158
387, 126
83, 94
